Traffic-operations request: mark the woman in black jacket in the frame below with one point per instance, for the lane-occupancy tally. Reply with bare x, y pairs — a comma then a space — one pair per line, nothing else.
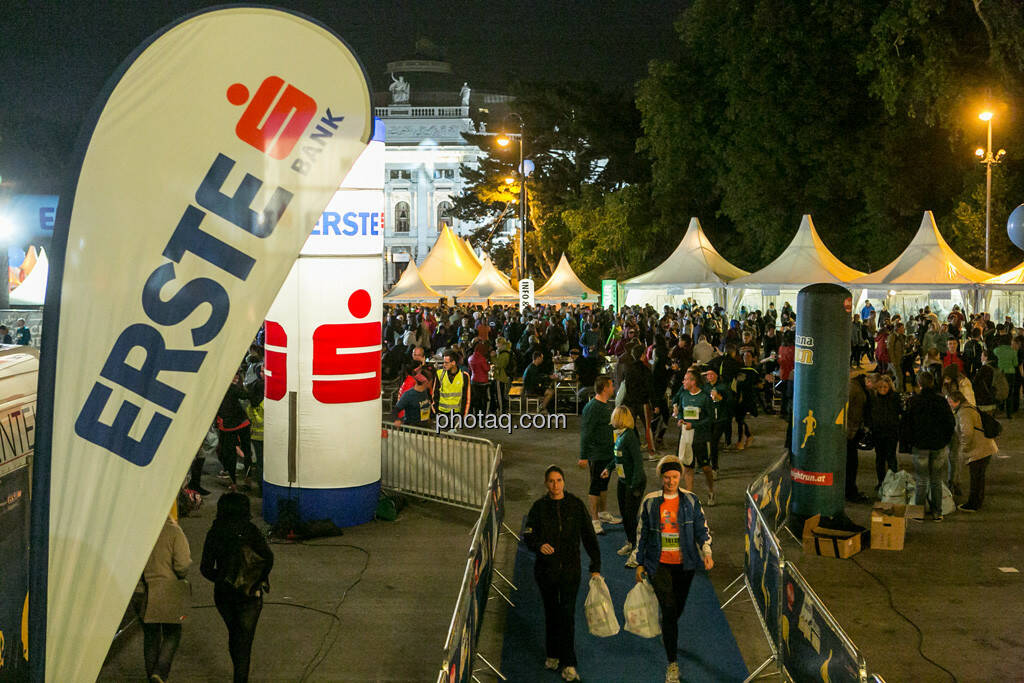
884, 420
226, 563
555, 526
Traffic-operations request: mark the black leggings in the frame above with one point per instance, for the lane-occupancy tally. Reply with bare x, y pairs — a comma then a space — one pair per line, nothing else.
885, 455
159, 643
240, 616
671, 586
227, 453
559, 596
629, 506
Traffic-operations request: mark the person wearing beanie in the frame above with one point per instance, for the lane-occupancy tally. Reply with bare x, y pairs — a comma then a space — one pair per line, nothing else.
673, 539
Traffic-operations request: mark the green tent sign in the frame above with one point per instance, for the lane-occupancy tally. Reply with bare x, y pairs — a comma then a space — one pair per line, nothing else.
610, 293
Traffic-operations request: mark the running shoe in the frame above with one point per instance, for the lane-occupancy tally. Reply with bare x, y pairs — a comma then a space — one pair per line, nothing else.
551, 663
712, 499
672, 673
569, 674
625, 550
609, 518
598, 529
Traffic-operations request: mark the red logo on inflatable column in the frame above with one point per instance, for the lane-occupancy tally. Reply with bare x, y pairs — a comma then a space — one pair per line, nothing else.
350, 354
275, 361
284, 120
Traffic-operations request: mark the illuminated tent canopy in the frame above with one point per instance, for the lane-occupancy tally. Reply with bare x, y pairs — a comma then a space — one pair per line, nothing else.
564, 285
450, 266
489, 285
32, 290
694, 270
411, 288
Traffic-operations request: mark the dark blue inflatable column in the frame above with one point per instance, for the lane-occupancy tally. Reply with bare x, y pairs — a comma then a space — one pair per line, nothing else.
820, 392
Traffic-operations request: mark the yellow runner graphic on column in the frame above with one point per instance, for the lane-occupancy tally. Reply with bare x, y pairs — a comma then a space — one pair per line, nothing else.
809, 424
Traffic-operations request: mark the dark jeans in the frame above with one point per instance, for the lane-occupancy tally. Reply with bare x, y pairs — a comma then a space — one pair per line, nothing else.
1012, 403
977, 470
717, 430
479, 397
852, 460
240, 615
159, 643
885, 455
227, 453
629, 507
671, 586
499, 392
257, 472
742, 430
559, 596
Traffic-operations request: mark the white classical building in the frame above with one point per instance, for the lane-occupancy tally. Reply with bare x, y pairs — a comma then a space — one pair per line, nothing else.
425, 111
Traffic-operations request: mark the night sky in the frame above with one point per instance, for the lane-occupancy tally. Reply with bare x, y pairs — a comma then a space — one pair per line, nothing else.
56, 56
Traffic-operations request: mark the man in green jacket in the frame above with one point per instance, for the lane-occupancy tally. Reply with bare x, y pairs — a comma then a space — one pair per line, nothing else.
597, 442
693, 407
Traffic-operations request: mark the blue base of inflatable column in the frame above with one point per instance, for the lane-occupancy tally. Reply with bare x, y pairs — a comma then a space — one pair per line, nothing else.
347, 506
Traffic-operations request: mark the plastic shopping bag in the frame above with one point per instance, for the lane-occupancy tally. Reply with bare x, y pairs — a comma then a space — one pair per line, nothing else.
601, 619
641, 611
897, 487
948, 504
685, 452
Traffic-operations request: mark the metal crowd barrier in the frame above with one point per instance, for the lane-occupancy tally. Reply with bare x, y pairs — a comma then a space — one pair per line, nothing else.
441, 466
807, 642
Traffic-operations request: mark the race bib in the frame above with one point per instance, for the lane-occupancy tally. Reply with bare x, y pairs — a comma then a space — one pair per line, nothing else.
669, 541
691, 412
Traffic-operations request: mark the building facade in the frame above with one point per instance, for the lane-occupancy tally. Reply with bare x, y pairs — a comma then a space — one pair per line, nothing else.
426, 112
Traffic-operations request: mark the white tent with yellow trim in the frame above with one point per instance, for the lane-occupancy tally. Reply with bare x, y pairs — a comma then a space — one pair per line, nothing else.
806, 261
695, 270
1004, 295
928, 272
565, 285
411, 288
450, 266
490, 284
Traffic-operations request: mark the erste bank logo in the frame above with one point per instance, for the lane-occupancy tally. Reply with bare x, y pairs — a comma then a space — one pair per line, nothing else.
276, 118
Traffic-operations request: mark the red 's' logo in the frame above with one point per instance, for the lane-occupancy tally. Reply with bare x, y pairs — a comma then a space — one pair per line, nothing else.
275, 363
274, 120
346, 357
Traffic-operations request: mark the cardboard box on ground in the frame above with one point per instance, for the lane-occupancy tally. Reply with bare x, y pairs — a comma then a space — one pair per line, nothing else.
889, 524
831, 542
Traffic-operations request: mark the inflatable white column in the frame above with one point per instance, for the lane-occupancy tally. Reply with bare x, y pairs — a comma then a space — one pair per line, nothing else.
323, 348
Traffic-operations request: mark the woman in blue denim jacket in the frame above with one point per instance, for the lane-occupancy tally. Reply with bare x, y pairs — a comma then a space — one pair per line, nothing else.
674, 537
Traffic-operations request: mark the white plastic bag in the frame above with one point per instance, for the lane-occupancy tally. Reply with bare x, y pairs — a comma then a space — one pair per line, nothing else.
640, 611
601, 619
948, 504
685, 451
898, 487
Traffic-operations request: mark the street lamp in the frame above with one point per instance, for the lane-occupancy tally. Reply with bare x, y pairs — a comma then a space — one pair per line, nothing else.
504, 140
986, 157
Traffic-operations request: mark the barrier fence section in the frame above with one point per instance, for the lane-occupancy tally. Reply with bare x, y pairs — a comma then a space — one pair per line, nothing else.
807, 642
445, 467
462, 471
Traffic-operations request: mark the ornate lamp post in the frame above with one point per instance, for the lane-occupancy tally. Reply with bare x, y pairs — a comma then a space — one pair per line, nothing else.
505, 140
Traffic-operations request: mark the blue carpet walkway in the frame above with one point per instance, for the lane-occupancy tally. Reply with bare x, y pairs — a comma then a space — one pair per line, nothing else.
707, 649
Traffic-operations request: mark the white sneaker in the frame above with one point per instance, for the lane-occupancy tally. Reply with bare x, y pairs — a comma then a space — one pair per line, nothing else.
672, 673
626, 549
631, 563
598, 529
609, 518
551, 663
569, 674
712, 499
714, 474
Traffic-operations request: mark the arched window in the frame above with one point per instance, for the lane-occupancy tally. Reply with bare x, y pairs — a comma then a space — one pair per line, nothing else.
444, 215
402, 217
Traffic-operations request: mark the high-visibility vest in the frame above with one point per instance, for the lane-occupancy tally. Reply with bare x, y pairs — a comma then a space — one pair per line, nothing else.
451, 392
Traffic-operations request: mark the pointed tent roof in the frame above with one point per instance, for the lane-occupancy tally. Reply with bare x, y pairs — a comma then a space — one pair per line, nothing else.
411, 288
490, 285
1011, 279
564, 285
472, 252
694, 263
804, 262
927, 263
449, 268
32, 290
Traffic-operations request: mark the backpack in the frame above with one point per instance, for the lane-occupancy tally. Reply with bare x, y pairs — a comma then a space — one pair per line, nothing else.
990, 426
245, 569
1000, 387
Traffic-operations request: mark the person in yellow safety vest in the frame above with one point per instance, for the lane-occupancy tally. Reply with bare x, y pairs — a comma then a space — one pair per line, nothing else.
453, 396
